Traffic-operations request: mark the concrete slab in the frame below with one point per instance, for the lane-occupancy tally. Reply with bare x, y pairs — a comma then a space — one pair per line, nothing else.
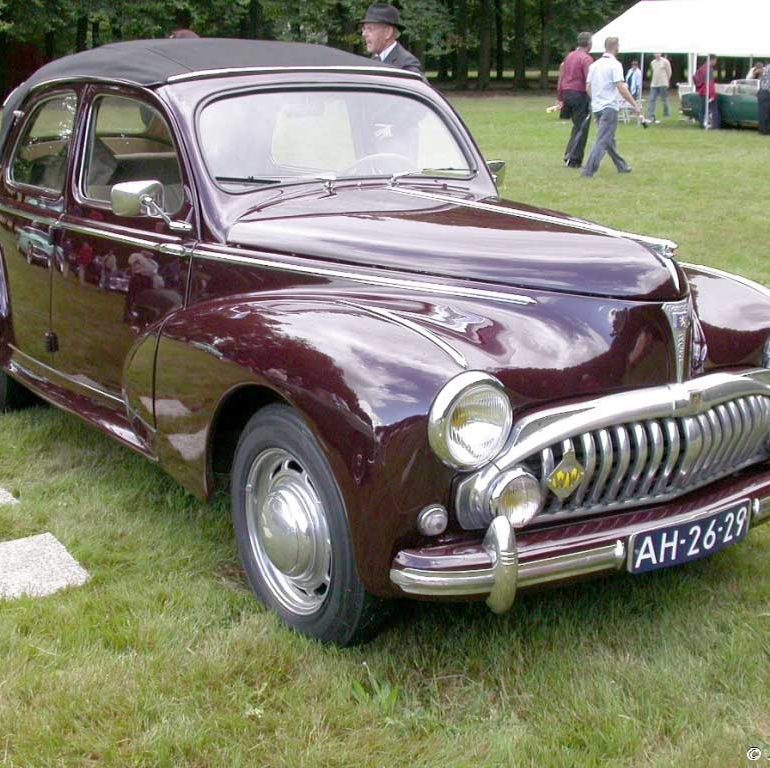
7, 498
37, 566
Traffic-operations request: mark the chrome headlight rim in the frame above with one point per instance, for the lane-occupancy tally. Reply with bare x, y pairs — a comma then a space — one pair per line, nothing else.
443, 406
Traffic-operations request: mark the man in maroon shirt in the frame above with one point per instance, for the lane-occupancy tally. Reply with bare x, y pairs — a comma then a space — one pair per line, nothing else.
577, 104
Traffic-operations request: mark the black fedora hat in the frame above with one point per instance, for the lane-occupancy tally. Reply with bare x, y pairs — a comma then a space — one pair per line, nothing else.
382, 13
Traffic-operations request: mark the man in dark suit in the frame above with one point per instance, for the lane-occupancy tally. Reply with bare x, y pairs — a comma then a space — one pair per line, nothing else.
380, 30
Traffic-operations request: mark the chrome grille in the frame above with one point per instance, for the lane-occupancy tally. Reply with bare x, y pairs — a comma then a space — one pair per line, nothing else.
653, 460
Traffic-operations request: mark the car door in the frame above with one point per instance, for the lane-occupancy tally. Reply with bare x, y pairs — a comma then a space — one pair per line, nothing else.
33, 182
119, 277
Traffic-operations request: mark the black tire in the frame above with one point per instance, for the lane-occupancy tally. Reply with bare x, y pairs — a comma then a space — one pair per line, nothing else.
318, 594
13, 395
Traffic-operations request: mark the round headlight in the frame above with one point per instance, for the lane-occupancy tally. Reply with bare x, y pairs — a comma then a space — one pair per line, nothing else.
470, 420
517, 495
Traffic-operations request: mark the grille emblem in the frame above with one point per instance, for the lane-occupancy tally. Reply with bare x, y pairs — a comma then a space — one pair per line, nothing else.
678, 314
566, 476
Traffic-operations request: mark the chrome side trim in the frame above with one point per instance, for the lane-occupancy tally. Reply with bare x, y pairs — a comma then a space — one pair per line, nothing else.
55, 374
662, 247
42, 217
118, 237
234, 257
458, 357
224, 72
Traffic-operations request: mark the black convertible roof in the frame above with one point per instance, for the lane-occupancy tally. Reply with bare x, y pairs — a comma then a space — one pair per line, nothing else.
154, 62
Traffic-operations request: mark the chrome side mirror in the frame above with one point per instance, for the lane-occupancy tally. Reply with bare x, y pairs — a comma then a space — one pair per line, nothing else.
133, 198
144, 198
497, 169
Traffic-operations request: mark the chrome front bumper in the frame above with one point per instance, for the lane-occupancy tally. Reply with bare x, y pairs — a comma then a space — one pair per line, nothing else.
497, 567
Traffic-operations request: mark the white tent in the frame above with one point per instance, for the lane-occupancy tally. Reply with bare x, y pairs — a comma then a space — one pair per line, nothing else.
735, 28
738, 28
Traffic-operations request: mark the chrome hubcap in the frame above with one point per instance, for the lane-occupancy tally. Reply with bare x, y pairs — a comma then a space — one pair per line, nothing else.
288, 532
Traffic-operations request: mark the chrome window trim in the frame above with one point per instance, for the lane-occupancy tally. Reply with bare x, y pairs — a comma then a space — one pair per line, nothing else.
234, 256
226, 72
536, 432
53, 194
80, 194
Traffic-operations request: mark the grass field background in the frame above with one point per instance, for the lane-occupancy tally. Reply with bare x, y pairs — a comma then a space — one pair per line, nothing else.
164, 659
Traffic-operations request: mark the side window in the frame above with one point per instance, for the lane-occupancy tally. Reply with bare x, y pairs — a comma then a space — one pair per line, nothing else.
40, 159
130, 141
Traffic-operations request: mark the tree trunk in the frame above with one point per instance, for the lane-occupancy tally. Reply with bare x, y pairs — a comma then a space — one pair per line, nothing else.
95, 37
256, 20
520, 45
81, 33
461, 27
545, 48
485, 44
499, 40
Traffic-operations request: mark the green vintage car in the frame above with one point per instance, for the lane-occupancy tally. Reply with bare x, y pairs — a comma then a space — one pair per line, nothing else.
737, 103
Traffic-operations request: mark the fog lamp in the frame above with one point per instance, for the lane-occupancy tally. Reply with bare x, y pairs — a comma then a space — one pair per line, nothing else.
517, 496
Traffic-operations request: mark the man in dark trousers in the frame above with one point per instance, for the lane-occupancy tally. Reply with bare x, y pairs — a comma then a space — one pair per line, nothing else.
572, 94
380, 29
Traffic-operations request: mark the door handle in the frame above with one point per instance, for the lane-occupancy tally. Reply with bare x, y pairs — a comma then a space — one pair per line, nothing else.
172, 249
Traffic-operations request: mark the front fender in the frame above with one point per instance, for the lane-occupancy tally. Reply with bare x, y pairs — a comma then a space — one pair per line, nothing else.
734, 313
364, 382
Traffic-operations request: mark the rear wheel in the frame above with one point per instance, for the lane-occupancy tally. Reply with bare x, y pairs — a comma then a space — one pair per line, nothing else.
293, 533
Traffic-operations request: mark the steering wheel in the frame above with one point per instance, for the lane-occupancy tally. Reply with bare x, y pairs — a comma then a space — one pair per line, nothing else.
380, 164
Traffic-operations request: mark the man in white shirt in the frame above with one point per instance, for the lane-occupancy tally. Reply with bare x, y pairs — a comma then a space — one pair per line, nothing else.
605, 82
661, 77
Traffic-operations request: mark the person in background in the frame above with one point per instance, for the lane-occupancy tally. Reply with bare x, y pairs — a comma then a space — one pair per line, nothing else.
705, 76
574, 98
183, 22
380, 29
763, 102
756, 71
605, 83
661, 79
634, 80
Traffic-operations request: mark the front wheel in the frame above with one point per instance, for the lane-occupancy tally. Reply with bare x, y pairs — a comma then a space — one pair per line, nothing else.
293, 533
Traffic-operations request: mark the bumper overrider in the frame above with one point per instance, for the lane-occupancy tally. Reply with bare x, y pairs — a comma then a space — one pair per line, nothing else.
497, 561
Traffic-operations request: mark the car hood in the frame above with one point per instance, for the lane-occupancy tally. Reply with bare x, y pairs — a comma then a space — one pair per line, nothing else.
439, 233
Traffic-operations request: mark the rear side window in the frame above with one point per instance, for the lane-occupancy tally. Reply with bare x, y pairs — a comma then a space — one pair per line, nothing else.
130, 141
40, 159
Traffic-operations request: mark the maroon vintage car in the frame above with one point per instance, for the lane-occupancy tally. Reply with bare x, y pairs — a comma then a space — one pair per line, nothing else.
292, 263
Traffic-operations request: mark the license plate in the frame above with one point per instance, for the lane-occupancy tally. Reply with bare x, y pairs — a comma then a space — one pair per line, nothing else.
684, 542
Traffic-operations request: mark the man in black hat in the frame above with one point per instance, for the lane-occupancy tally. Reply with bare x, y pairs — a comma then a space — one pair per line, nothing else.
380, 30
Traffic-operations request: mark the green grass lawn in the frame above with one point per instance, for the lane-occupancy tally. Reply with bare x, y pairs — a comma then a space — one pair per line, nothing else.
164, 659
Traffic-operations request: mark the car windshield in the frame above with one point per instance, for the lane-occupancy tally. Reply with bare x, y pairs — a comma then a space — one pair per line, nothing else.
259, 139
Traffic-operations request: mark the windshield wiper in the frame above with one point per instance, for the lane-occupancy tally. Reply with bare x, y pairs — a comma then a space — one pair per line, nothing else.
247, 180
436, 173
